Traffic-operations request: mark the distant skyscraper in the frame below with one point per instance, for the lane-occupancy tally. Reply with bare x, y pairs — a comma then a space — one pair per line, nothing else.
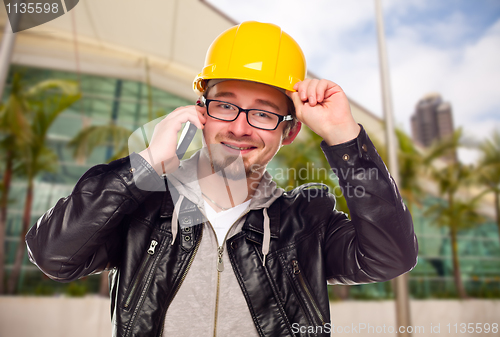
432, 120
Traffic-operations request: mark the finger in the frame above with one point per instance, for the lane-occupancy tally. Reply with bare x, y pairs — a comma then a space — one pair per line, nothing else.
321, 90
197, 119
332, 89
302, 89
202, 113
311, 92
203, 118
297, 102
185, 114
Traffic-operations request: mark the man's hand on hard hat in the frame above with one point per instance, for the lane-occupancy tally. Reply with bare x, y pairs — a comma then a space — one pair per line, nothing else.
161, 151
323, 106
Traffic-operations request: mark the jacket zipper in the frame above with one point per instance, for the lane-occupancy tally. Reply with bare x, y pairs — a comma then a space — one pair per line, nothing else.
149, 264
296, 271
220, 267
140, 274
182, 279
217, 298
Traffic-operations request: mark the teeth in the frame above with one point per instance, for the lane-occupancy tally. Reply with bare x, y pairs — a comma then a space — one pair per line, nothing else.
237, 148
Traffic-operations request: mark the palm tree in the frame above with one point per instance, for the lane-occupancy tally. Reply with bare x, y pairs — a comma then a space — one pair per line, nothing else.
115, 137
16, 132
43, 102
489, 170
305, 156
91, 137
455, 213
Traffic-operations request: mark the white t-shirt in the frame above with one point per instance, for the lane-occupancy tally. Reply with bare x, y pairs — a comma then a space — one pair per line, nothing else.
223, 220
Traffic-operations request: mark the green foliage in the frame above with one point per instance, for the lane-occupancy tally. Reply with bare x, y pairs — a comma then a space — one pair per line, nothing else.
490, 149
76, 289
459, 211
88, 139
34, 110
372, 291
94, 136
304, 162
44, 289
37, 284
15, 117
489, 170
460, 214
24, 123
410, 168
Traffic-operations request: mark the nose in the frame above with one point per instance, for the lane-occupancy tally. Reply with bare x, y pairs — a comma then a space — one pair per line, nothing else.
240, 127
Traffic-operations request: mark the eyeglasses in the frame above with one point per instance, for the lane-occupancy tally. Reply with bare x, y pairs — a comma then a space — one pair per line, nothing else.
260, 119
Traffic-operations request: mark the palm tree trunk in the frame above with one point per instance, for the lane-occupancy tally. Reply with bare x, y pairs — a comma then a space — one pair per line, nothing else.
456, 264
104, 286
497, 210
7, 177
18, 263
457, 276
342, 291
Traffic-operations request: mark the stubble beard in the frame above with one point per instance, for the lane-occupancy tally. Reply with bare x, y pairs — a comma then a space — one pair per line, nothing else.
234, 167
229, 166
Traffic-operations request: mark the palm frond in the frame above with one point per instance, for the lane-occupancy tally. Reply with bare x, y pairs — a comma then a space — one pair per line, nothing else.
99, 135
444, 147
15, 115
53, 86
489, 163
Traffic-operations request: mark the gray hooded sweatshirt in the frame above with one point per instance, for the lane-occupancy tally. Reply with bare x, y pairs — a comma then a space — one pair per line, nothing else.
210, 302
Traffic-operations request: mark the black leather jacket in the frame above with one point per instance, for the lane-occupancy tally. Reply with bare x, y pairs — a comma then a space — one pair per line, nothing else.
108, 223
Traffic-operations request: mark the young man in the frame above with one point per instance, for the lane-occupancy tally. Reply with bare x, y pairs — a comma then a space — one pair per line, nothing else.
221, 251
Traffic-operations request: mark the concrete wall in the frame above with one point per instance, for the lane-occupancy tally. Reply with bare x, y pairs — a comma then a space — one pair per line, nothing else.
54, 317
89, 316
429, 318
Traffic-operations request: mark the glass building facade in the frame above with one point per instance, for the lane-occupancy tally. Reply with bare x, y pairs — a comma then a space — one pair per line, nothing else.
131, 104
479, 256
104, 101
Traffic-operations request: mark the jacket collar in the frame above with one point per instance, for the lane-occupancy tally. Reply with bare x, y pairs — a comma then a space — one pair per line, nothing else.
254, 224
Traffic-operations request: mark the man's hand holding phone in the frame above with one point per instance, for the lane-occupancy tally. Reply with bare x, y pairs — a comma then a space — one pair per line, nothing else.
161, 153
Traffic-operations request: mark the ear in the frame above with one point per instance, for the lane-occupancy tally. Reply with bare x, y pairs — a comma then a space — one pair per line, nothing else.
292, 134
200, 107
199, 102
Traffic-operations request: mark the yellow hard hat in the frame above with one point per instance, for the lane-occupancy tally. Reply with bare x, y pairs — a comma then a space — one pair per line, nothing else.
253, 51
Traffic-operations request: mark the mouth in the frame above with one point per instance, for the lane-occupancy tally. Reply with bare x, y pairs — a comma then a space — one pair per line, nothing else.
240, 148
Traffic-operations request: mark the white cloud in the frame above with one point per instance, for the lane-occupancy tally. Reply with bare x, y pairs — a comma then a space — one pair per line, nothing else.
468, 76
448, 55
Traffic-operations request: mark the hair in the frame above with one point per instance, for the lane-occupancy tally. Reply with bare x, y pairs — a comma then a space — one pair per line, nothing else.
291, 111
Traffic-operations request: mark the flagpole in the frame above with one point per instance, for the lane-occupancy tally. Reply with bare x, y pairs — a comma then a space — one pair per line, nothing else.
400, 284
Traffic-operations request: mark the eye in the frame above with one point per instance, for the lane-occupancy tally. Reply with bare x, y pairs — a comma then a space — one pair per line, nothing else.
225, 106
262, 114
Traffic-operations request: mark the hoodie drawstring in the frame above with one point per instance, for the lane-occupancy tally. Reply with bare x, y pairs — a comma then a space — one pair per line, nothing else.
267, 237
175, 216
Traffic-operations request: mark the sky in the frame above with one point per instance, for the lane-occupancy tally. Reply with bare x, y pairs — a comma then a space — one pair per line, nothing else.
451, 47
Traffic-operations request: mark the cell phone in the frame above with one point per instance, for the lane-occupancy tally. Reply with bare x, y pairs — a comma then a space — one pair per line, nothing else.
187, 136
